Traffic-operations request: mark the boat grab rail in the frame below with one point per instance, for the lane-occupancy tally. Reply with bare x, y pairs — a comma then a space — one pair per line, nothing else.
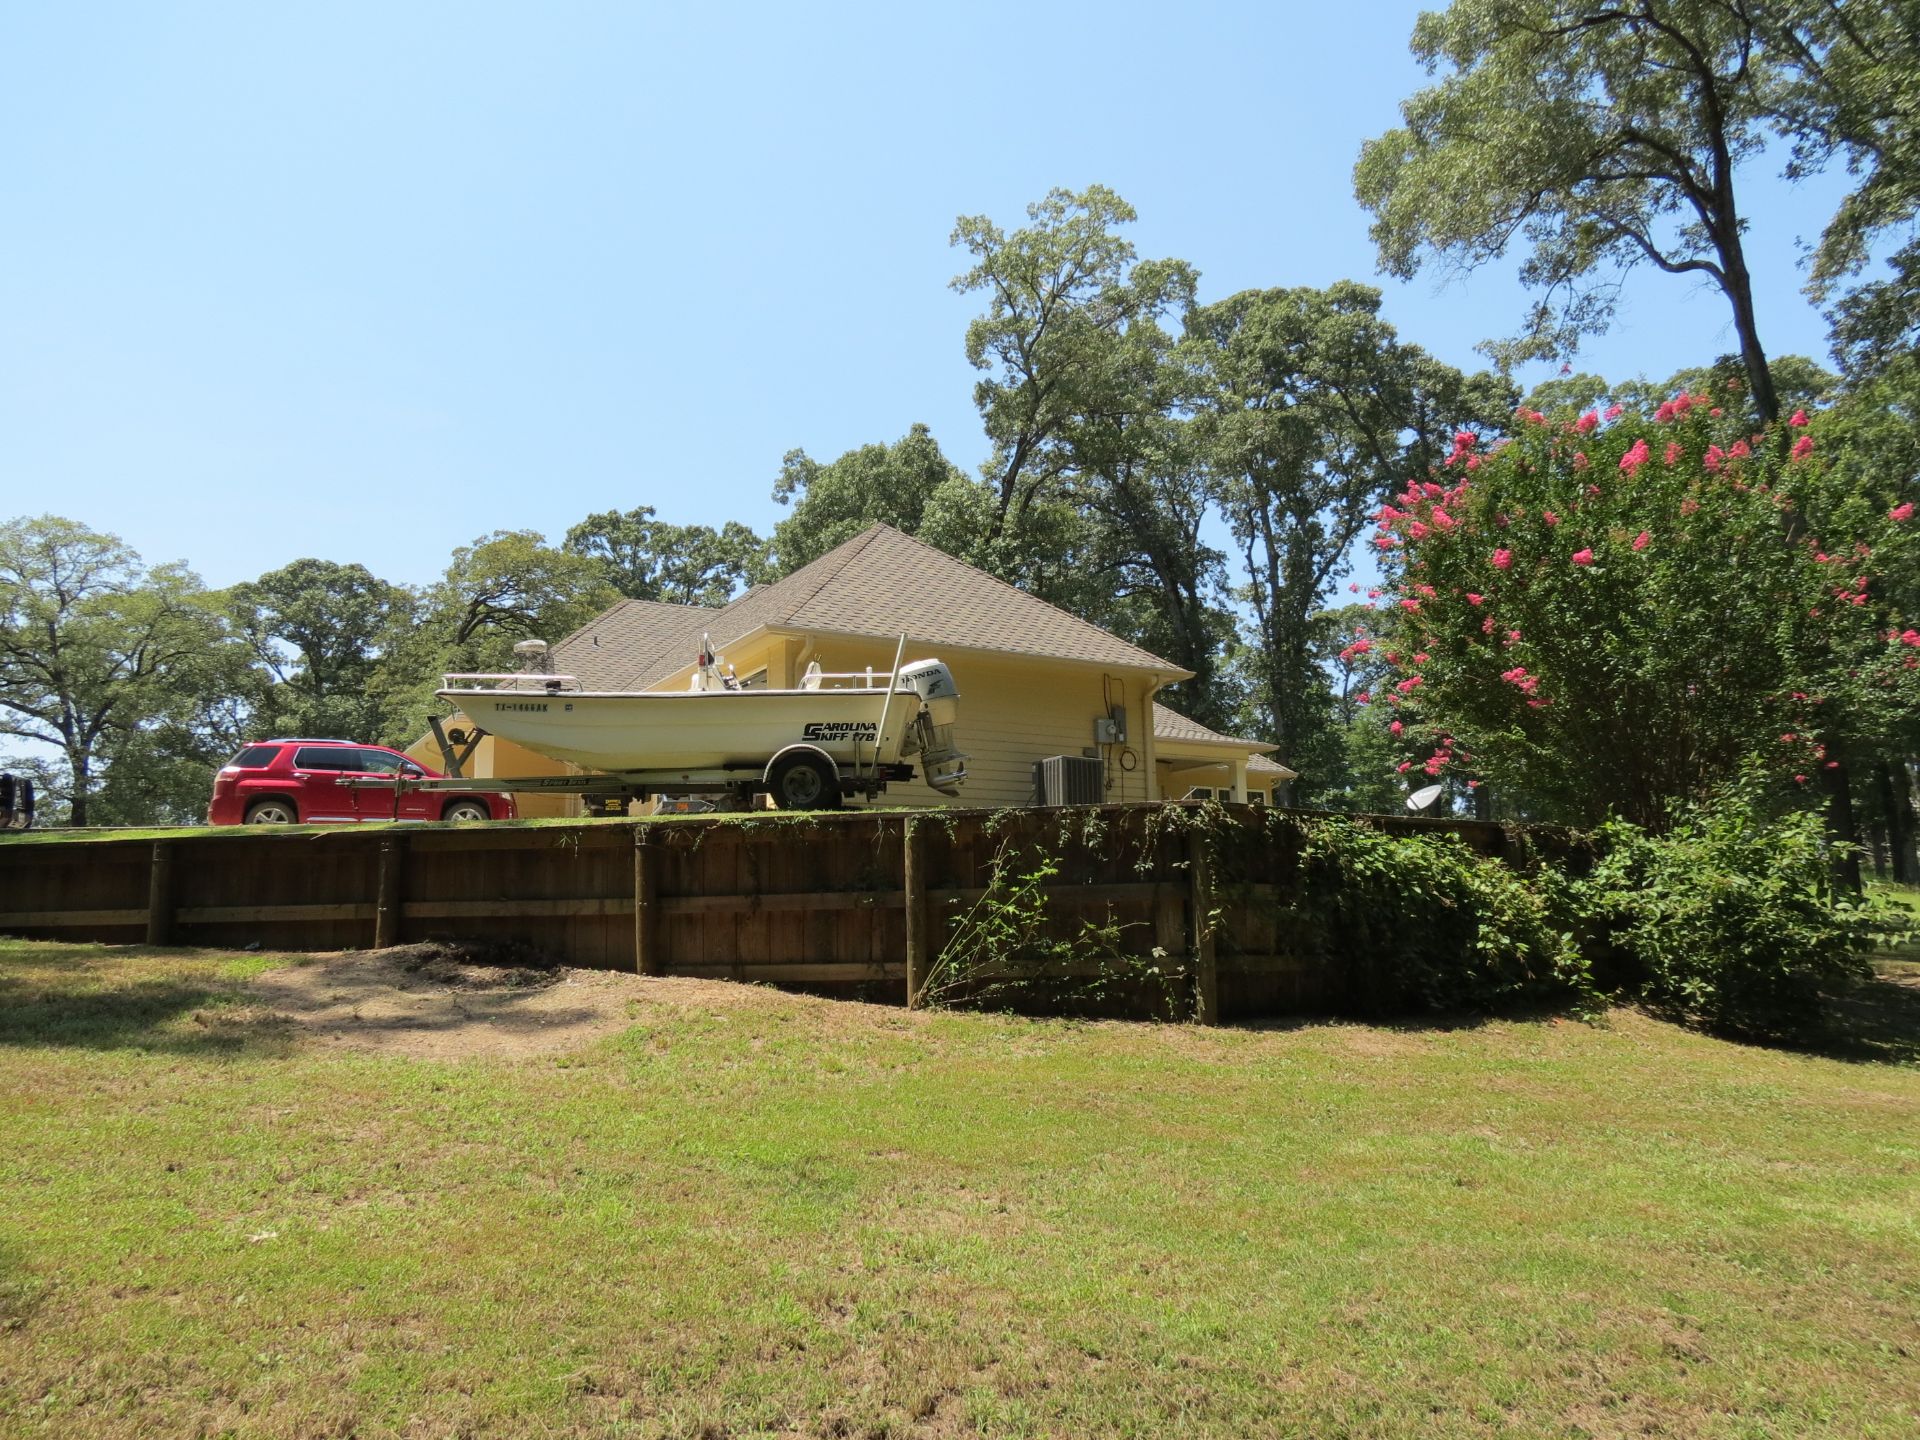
515, 680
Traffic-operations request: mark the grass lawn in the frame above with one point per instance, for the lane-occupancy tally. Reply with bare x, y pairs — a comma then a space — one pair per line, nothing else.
761, 1214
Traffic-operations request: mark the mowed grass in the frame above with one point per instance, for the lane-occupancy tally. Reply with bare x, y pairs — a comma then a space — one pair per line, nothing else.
785, 1216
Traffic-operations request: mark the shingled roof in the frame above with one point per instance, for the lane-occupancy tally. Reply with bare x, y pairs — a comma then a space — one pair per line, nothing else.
881, 582
1170, 724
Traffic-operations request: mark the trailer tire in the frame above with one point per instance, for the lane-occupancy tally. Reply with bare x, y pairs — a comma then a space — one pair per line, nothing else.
804, 782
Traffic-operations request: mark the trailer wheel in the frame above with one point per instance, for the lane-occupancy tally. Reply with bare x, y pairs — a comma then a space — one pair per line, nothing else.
467, 810
804, 782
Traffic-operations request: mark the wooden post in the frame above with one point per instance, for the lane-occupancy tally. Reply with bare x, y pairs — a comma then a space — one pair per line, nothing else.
160, 895
647, 959
915, 888
387, 901
1206, 970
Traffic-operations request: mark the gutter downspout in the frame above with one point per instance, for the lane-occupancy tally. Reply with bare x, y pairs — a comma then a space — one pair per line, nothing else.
1150, 761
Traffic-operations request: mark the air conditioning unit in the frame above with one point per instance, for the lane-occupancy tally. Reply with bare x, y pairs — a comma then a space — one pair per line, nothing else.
1069, 780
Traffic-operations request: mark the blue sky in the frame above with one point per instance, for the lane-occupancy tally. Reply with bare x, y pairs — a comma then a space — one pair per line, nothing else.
364, 281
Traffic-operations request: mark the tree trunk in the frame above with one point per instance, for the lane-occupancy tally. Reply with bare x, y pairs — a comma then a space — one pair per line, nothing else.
82, 783
1840, 827
1739, 289
1899, 805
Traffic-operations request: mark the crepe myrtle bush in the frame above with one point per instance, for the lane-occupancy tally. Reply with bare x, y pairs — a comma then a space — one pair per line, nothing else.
1612, 613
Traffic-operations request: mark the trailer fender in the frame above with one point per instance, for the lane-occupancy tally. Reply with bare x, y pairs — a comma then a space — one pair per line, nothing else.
833, 769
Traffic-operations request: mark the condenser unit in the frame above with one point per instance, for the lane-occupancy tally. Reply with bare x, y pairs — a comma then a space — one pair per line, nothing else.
1069, 780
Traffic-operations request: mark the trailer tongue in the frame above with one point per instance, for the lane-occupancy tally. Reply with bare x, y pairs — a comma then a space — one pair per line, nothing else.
809, 747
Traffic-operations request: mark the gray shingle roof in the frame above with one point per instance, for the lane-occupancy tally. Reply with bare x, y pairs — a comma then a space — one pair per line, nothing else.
1170, 724
881, 582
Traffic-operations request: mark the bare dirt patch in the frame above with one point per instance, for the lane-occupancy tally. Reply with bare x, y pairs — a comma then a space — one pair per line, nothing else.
448, 1001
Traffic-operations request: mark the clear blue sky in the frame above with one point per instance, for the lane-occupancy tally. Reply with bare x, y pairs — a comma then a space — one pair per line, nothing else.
366, 280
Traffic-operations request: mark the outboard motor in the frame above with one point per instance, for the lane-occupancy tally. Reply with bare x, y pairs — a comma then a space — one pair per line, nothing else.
942, 764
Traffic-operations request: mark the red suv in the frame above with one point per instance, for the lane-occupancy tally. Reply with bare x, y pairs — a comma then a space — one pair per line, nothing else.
289, 782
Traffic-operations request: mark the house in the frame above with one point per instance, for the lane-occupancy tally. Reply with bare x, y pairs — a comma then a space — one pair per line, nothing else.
1034, 681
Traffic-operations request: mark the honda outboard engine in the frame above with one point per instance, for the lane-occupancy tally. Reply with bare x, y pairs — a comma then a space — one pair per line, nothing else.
931, 734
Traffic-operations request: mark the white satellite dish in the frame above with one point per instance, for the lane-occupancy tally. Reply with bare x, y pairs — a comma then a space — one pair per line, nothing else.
1424, 796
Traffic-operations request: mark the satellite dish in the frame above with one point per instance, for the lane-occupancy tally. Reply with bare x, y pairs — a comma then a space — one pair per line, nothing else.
1424, 796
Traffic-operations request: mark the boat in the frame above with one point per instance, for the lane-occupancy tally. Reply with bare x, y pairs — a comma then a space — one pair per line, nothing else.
873, 726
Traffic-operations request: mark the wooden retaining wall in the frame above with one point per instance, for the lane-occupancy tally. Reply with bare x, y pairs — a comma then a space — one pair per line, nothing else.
863, 903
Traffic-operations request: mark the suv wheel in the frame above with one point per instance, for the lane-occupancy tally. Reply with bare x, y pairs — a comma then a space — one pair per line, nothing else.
272, 812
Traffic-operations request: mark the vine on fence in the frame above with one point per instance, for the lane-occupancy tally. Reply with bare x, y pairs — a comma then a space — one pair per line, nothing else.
1003, 951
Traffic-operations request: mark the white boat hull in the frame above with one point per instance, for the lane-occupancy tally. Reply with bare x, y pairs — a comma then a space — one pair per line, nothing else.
693, 730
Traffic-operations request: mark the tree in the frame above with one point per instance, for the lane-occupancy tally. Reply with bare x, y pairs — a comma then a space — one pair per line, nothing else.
1855, 94
1604, 614
1060, 291
107, 660
909, 485
1096, 502
1309, 407
318, 629
504, 587
648, 559
1599, 134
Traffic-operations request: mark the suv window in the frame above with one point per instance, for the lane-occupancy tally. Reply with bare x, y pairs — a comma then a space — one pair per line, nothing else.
384, 762
254, 757
330, 757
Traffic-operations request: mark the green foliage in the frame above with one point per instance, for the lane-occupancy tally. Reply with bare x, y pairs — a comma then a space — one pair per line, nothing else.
1730, 920
648, 559
317, 630
108, 660
1307, 407
1423, 922
909, 485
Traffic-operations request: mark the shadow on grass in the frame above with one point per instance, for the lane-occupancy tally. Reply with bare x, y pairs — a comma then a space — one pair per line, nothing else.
1878, 1019
73, 997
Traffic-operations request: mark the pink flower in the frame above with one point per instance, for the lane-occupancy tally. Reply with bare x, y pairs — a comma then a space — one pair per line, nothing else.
1614, 412
1503, 559
1465, 439
1636, 457
1901, 512
1715, 457
1513, 638
1410, 684
1788, 738
1486, 626
1473, 599
1395, 728
1799, 420
1420, 658
1406, 765
1416, 531
1410, 606
1740, 451
1799, 779
1549, 517
1674, 452
1583, 557
1803, 447
1442, 520
1586, 422
1910, 637
1580, 461
1365, 697
1434, 492
1664, 415
1473, 784
1689, 506
1642, 540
